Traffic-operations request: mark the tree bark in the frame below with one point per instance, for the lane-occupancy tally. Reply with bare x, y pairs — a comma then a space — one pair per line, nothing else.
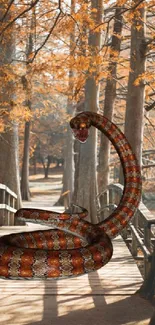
86, 177
136, 93
9, 163
25, 191
34, 161
47, 167
109, 101
68, 171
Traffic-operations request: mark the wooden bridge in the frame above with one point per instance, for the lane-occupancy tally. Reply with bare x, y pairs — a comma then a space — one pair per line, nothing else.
104, 297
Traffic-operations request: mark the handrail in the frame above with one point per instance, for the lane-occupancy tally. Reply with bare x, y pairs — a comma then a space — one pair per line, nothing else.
139, 232
4, 187
146, 252
7, 205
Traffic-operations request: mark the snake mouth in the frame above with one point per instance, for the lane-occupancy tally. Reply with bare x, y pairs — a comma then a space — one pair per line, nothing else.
81, 134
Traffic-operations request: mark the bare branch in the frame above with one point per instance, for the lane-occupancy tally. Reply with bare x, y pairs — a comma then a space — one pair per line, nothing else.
47, 37
149, 107
33, 4
153, 126
47, 12
148, 166
9, 6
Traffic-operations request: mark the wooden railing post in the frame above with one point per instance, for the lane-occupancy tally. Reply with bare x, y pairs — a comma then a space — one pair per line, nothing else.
138, 234
7, 205
104, 202
147, 290
8, 212
134, 243
147, 243
12, 213
111, 196
3, 202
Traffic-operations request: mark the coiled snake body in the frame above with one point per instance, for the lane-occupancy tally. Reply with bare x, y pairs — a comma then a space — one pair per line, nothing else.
72, 246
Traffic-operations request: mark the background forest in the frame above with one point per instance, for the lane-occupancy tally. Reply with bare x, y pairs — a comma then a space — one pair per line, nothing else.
58, 58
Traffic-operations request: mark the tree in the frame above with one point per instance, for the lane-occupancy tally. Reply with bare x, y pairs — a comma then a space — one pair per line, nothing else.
109, 101
49, 135
136, 91
86, 181
9, 167
27, 86
68, 172
67, 59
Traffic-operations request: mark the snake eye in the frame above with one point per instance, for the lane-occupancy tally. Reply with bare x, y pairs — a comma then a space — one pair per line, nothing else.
82, 125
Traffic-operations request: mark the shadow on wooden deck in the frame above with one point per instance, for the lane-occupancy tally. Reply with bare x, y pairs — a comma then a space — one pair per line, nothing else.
76, 309
103, 297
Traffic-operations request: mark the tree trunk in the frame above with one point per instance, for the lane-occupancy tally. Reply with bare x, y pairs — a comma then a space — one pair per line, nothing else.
68, 171
86, 178
68, 185
25, 165
110, 95
28, 91
9, 163
47, 167
43, 164
135, 95
34, 165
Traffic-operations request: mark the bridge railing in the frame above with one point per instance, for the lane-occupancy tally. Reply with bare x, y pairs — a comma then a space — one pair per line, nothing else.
7, 206
139, 235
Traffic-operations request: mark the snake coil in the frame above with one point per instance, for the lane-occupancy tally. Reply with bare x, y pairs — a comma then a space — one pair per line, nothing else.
72, 246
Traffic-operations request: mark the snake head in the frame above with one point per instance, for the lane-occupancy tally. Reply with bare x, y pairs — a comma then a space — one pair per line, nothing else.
80, 125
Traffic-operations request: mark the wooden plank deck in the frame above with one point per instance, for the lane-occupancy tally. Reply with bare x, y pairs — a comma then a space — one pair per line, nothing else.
103, 297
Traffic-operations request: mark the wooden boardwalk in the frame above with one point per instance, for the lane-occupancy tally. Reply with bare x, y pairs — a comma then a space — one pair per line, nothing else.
104, 297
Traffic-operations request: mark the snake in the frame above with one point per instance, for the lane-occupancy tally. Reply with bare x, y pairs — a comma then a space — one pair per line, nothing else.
72, 246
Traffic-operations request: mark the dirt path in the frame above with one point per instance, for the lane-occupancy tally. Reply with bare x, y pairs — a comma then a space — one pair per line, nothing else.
44, 192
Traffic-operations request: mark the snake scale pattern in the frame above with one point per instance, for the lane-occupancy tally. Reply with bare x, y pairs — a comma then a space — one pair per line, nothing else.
72, 246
